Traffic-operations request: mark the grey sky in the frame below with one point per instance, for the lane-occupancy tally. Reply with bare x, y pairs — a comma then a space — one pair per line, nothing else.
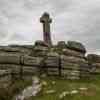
77, 20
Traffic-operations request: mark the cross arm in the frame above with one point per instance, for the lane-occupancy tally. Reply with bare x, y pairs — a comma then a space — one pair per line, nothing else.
43, 20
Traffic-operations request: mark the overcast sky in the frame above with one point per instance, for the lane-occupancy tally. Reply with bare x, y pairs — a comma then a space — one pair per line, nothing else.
76, 20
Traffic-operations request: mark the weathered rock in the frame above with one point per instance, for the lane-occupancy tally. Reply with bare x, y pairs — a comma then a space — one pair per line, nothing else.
64, 94
40, 51
95, 68
70, 74
85, 66
84, 70
5, 77
69, 52
5, 72
41, 43
44, 83
61, 44
15, 50
32, 61
13, 67
70, 66
30, 70
74, 92
5, 81
9, 59
40, 48
93, 58
72, 59
20, 60
76, 46
94, 63
53, 71
73, 67
50, 91
84, 75
52, 59
83, 88
53, 54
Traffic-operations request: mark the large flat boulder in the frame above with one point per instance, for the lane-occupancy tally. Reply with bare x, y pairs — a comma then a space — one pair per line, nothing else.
32, 61
9, 59
72, 59
15, 50
20, 60
76, 46
30, 70
69, 52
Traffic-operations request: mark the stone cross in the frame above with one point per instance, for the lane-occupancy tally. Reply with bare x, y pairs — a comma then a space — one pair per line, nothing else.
46, 20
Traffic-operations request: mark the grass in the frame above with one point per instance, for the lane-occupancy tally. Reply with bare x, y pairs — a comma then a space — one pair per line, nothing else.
93, 92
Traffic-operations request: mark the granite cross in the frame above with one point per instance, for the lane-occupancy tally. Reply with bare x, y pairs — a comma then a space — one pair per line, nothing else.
46, 20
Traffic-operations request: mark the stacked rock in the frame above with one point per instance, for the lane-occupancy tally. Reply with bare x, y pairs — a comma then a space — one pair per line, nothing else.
15, 49
52, 63
20, 64
31, 65
94, 62
40, 48
73, 60
5, 78
61, 44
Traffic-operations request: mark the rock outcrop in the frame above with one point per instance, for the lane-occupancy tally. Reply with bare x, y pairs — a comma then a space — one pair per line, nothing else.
40, 49
52, 63
16, 49
72, 60
76, 46
94, 62
64, 59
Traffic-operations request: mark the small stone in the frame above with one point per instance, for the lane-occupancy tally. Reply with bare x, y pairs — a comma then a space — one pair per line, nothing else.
19, 97
53, 82
74, 92
50, 91
83, 88
44, 83
63, 94
35, 80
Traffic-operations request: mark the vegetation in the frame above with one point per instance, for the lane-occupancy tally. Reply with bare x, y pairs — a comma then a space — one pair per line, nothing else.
93, 92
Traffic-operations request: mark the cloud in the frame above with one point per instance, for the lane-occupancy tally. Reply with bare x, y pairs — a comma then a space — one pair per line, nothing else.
77, 20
